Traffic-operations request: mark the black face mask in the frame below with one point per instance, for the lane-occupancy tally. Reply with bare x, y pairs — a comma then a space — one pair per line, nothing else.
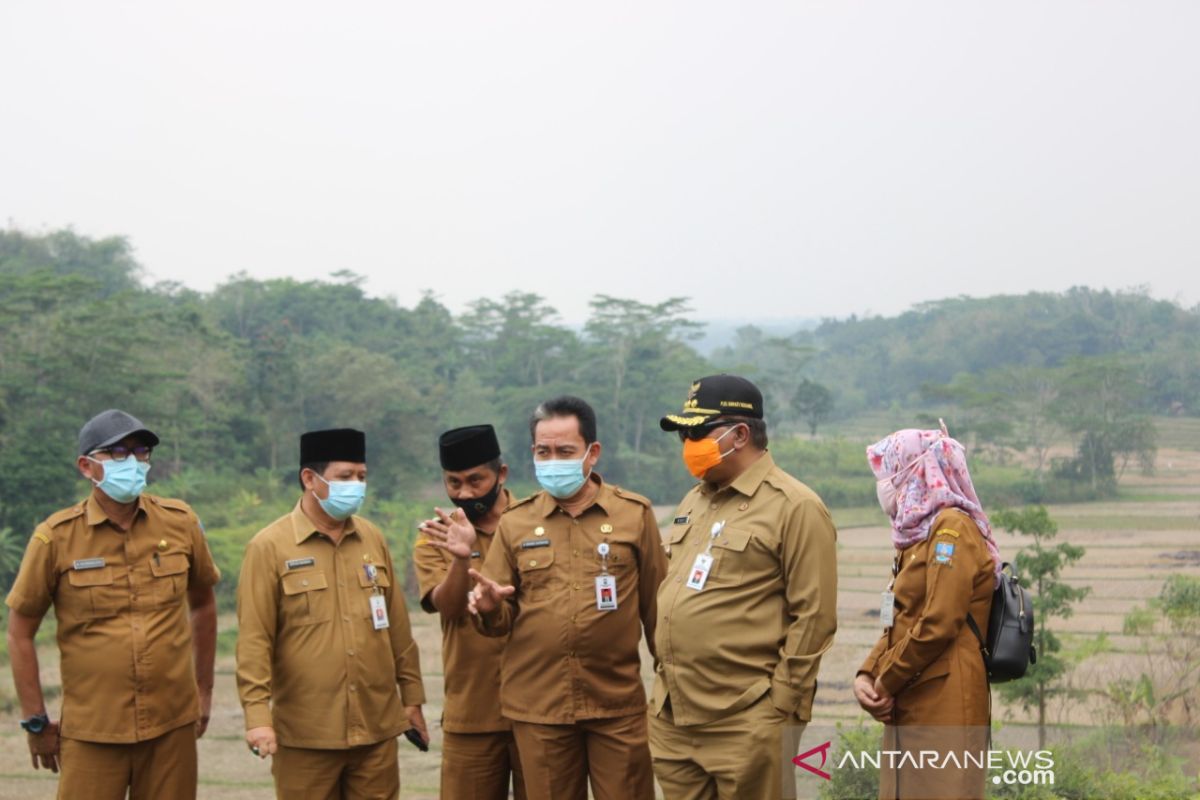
476, 508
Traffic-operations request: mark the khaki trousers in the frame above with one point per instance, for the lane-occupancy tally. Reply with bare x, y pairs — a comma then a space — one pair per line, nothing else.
477, 766
164, 766
745, 756
368, 772
559, 760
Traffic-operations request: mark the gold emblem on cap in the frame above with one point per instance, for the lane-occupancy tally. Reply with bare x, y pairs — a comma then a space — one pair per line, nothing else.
162, 544
539, 530
606, 528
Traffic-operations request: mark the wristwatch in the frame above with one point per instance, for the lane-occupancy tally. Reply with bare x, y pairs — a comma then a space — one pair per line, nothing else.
35, 724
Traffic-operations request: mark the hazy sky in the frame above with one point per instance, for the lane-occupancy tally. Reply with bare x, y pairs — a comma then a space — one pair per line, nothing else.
766, 159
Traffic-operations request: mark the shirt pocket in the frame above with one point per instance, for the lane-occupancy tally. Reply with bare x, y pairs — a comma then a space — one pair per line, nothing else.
170, 573
306, 598
675, 538
381, 579
534, 568
96, 593
622, 557
730, 557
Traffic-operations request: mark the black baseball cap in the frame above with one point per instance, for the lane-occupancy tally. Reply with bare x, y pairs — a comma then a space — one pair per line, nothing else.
109, 427
716, 396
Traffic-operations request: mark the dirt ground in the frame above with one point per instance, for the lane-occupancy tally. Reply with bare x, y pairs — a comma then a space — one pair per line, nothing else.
1132, 546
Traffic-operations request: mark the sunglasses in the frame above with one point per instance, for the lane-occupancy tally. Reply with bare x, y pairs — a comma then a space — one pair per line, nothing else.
702, 430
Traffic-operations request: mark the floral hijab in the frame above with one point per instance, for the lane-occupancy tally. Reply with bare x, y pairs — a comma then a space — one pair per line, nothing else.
929, 470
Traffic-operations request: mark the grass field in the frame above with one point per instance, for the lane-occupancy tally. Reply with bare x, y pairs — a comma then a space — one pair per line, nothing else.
1133, 543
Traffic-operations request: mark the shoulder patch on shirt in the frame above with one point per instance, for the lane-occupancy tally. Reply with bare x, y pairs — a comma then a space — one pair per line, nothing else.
41, 537
942, 551
298, 563
529, 544
634, 496
519, 503
67, 514
171, 503
947, 532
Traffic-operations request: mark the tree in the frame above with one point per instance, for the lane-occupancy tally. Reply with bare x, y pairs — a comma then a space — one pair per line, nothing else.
1041, 566
1098, 401
812, 402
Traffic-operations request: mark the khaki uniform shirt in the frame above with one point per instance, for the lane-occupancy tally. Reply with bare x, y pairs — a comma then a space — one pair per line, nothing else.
309, 660
565, 660
766, 613
124, 632
929, 659
471, 660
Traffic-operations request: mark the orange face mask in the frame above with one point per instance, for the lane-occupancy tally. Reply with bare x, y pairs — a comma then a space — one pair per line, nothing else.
701, 456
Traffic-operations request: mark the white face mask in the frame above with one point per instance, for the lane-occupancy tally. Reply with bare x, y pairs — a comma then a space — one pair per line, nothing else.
886, 491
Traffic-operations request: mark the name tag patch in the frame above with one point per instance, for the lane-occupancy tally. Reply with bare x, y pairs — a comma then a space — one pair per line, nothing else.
297, 563
682, 520
89, 563
532, 543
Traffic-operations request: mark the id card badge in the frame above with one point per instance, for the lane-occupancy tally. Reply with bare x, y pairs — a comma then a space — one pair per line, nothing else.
887, 608
606, 593
379, 617
700, 569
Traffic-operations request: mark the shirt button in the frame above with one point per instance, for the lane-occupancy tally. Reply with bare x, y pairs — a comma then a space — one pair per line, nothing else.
571, 654
575, 586
349, 652
352, 687
712, 505
572, 618
304, 582
345, 619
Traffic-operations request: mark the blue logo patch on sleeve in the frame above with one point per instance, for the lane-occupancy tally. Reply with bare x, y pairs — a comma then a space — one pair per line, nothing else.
944, 549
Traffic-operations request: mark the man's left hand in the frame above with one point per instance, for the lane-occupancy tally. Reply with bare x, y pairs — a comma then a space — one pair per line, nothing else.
205, 710
417, 720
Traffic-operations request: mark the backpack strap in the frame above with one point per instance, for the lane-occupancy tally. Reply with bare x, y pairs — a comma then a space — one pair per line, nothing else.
979, 636
984, 654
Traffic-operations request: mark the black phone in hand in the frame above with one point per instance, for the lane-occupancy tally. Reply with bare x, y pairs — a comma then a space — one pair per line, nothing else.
414, 736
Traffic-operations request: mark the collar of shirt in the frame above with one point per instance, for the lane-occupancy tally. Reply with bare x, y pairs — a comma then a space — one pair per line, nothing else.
547, 504
96, 515
303, 527
748, 482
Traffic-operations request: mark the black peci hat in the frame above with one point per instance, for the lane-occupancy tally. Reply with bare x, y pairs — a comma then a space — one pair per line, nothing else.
716, 396
338, 444
464, 448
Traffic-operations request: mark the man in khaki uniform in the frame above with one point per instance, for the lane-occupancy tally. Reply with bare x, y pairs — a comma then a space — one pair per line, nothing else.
572, 574
327, 668
746, 611
478, 750
137, 673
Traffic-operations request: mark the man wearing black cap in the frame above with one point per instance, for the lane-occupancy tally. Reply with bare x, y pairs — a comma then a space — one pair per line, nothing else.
746, 611
327, 669
137, 677
478, 751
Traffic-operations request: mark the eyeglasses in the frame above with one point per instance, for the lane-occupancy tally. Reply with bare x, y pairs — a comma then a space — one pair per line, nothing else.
698, 432
120, 452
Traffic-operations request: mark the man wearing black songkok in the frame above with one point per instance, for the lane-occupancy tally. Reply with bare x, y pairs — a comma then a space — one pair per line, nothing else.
478, 751
327, 669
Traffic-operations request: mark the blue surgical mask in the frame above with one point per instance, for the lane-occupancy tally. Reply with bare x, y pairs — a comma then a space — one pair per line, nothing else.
123, 481
561, 478
345, 498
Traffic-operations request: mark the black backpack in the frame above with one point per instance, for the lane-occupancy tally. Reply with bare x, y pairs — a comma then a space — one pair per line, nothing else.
1008, 649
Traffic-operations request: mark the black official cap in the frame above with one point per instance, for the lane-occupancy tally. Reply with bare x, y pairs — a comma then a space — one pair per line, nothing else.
464, 448
716, 396
337, 444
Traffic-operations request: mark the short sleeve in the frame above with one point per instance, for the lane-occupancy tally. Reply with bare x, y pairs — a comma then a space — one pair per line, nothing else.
204, 571
33, 590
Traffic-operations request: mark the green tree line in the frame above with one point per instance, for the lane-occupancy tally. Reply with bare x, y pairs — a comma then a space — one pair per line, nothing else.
230, 378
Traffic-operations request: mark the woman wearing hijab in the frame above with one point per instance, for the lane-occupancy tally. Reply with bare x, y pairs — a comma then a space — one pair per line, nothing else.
925, 678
